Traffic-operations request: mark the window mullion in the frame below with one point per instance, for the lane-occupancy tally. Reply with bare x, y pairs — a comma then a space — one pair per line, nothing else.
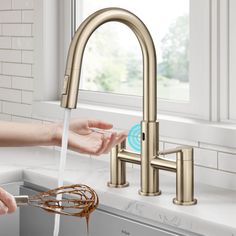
215, 61
232, 60
224, 59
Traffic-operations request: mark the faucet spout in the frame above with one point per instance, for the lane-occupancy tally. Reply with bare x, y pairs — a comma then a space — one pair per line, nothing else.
78, 44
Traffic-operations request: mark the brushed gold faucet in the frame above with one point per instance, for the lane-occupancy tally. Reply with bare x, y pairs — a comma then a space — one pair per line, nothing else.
150, 159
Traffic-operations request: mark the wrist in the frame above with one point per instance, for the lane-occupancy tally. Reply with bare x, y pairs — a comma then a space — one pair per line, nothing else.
56, 131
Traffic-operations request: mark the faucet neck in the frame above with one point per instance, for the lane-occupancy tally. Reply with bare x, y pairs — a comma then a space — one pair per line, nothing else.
78, 44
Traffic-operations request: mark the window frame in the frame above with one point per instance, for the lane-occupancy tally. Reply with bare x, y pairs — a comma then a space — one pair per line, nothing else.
199, 73
232, 60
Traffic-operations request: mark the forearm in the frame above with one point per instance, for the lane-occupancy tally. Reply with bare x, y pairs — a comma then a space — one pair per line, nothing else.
20, 134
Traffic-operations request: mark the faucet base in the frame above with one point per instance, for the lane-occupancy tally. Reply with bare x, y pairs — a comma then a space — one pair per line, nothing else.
149, 194
177, 202
109, 184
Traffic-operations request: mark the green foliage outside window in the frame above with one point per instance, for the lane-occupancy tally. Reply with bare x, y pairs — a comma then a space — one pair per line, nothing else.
110, 68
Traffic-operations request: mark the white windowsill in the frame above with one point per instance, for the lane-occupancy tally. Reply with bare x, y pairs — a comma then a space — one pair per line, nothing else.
171, 127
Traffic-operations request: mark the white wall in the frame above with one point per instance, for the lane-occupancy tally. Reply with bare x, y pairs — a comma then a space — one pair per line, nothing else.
215, 165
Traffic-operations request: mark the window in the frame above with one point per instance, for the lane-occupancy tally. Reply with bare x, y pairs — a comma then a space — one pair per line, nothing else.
211, 72
113, 60
112, 73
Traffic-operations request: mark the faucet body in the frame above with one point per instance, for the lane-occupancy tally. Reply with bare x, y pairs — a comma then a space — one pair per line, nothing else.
150, 157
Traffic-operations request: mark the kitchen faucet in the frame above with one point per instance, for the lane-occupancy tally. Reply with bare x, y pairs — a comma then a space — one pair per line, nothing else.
151, 159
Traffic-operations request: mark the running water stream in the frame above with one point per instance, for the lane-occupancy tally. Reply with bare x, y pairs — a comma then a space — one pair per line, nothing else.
62, 164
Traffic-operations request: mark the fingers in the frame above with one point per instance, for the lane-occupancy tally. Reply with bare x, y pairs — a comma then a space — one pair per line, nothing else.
3, 209
99, 124
87, 144
121, 137
7, 203
108, 143
113, 141
94, 143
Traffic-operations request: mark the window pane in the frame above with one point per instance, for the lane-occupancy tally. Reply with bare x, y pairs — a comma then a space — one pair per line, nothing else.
113, 59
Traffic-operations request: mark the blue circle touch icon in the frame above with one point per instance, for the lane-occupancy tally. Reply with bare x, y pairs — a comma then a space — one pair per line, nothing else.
134, 138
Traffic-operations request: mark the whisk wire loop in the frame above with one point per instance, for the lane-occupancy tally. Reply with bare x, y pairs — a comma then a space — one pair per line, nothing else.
77, 200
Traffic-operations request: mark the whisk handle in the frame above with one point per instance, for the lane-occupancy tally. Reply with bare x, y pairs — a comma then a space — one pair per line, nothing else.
22, 200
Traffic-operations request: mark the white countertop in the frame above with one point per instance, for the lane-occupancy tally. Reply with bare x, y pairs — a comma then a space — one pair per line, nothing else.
215, 213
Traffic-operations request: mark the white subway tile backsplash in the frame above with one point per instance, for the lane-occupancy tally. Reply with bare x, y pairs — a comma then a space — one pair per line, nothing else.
27, 57
5, 42
215, 177
22, 83
23, 30
16, 69
7, 55
27, 16
204, 157
27, 97
17, 109
227, 162
10, 16
218, 148
25, 43
10, 95
5, 117
25, 120
47, 122
33, 71
5, 81
179, 141
5, 4
22, 4
32, 29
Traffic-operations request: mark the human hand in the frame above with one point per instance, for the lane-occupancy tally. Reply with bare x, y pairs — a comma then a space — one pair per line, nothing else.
7, 202
84, 140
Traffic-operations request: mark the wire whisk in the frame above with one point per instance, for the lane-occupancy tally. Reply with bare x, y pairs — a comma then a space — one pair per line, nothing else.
71, 200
